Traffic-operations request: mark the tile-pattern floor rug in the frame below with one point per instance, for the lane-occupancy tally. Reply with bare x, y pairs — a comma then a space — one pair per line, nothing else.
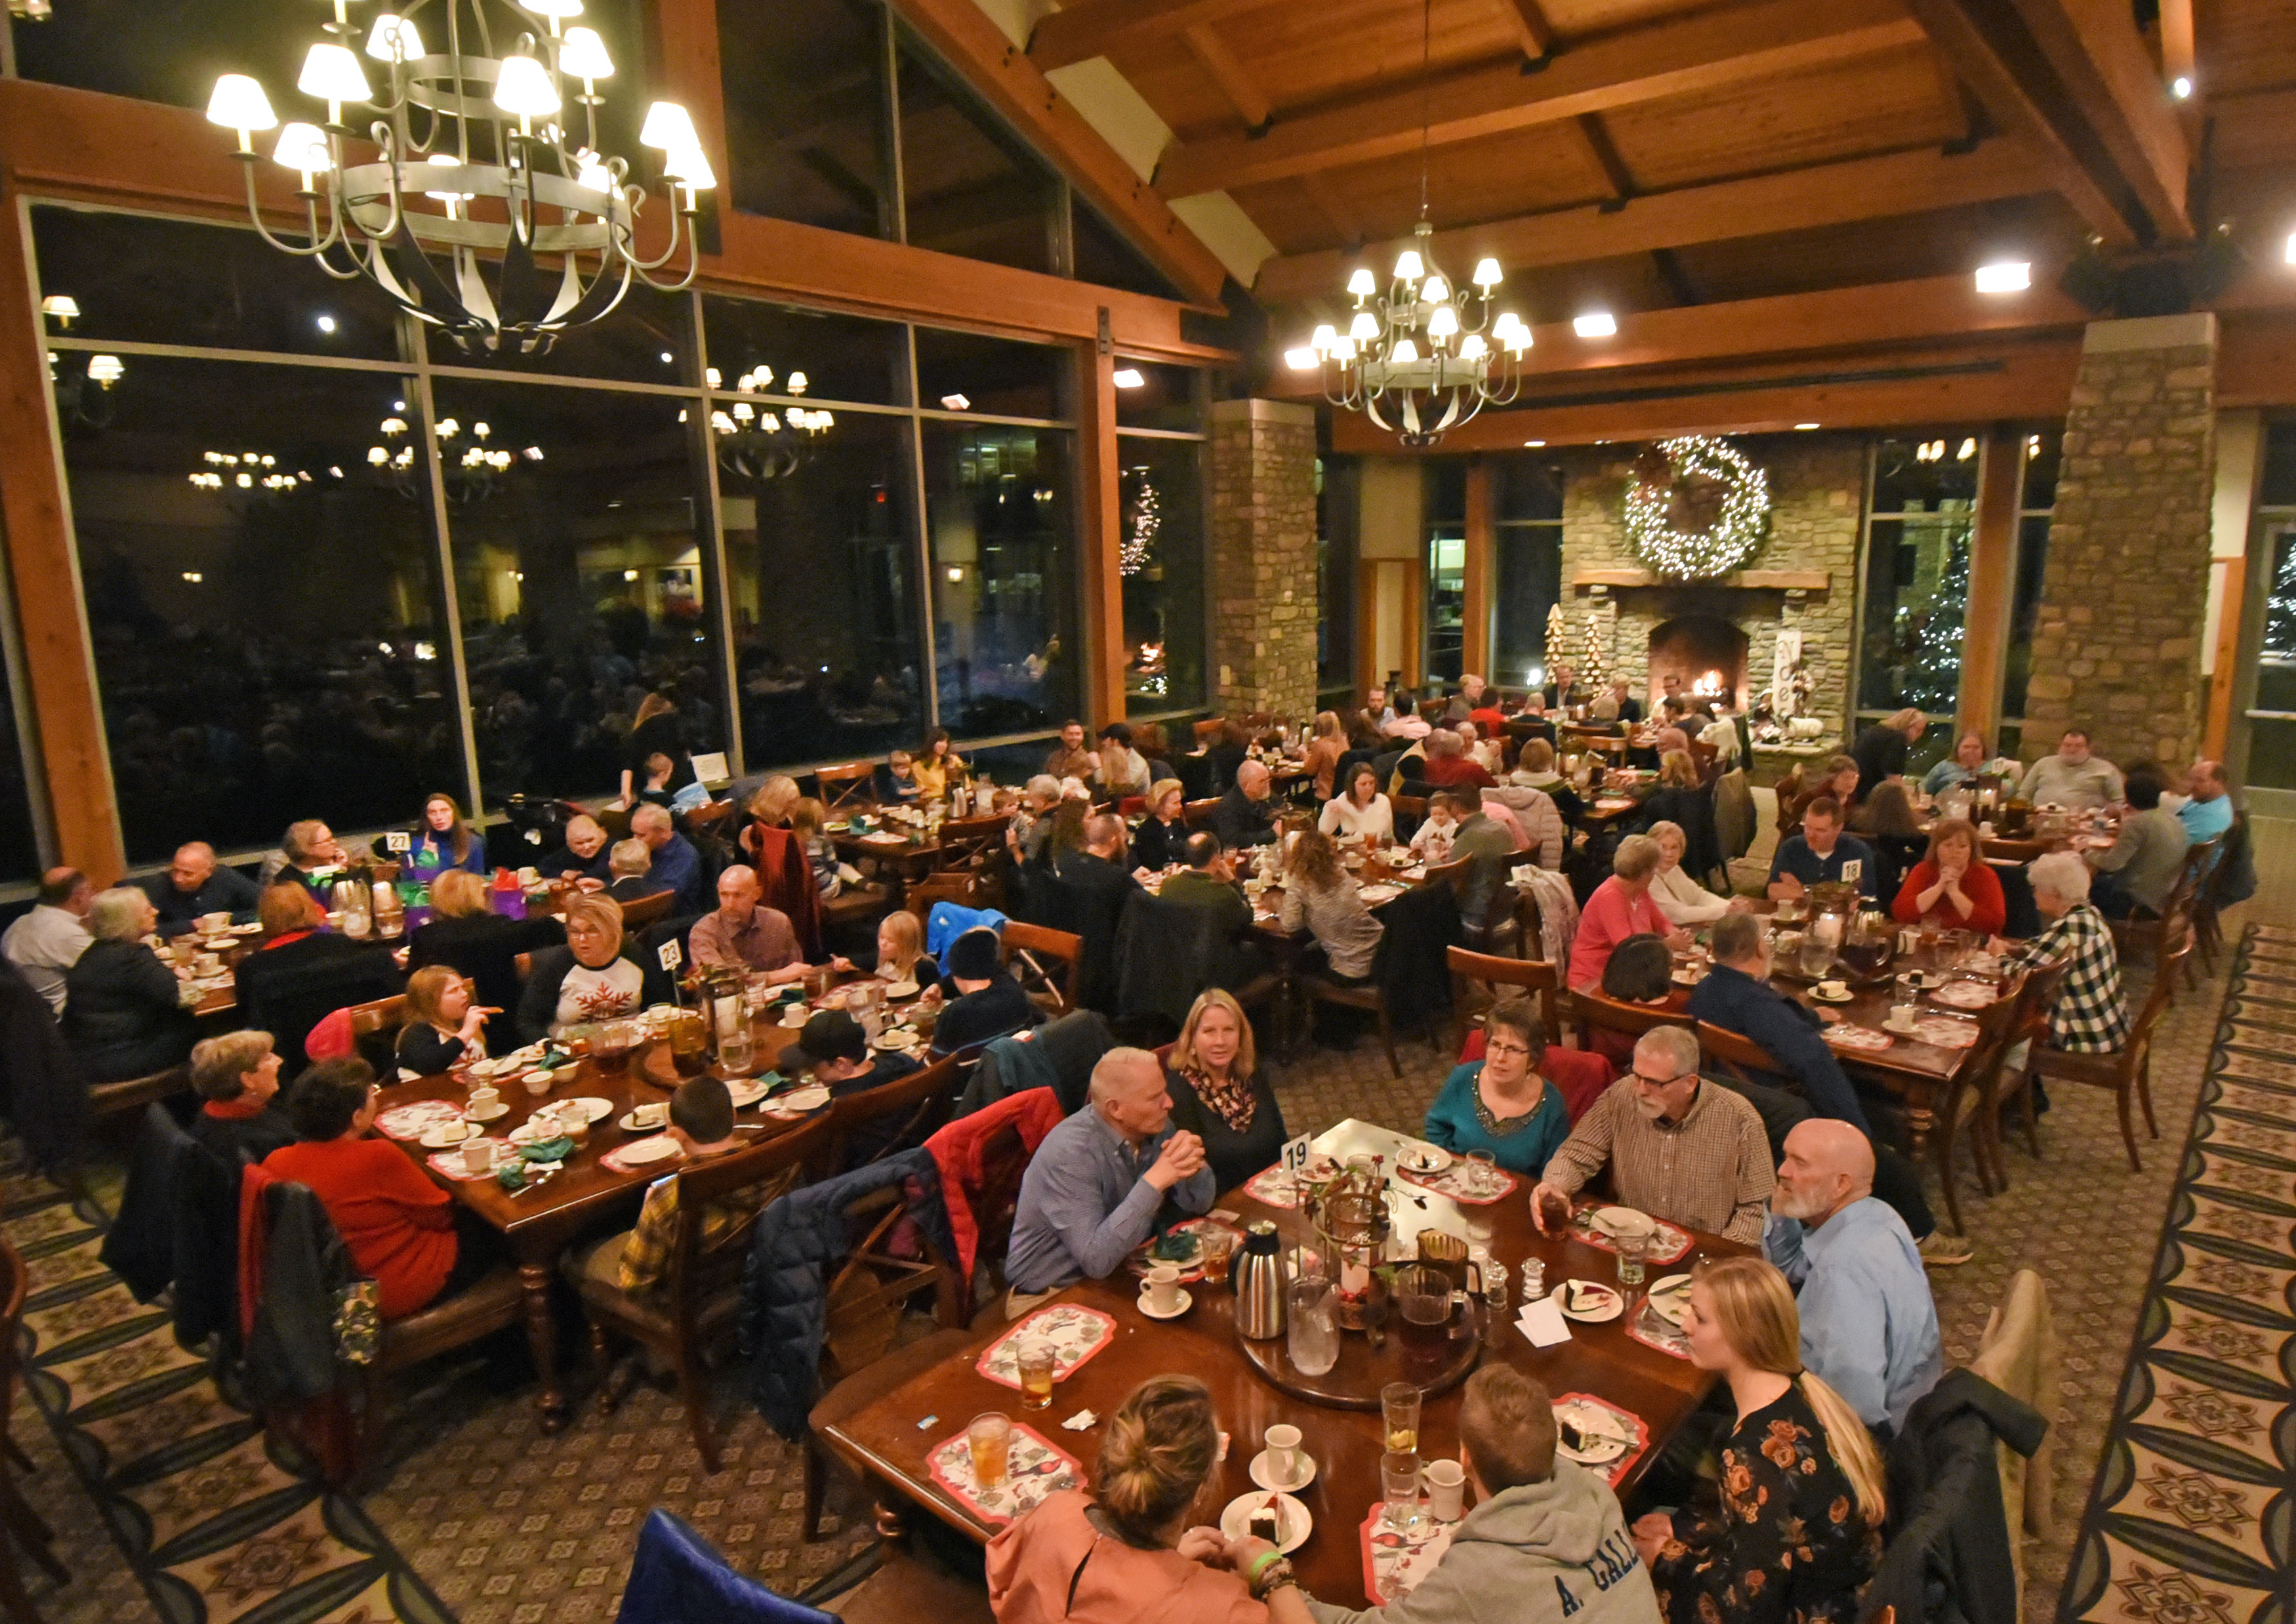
2192, 1516
220, 1526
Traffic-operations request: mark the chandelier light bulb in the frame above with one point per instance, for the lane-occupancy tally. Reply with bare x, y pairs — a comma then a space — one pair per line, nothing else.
669, 128
1442, 322
1325, 337
1363, 284
106, 370
1364, 328
1407, 268
1343, 350
1473, 349
332, 74
743, 412
1436, 290
238, 103
796, 384
772, 424
1488, 274
394, 40
1404, 354
303, 148
524, 88
62, 307
720, 422
593, 173
557, 10
583, 55
689, 167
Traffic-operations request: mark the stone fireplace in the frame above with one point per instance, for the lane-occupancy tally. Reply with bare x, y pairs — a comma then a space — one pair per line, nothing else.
1705, 651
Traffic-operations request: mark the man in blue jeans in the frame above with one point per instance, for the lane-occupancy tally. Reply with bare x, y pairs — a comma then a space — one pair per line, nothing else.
1738, 997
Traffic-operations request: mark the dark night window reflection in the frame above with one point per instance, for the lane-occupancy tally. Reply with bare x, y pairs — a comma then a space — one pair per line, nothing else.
1150, 394
1103, 255
1917, 551
266, 650
579, 578
840, 357
970, 187
964, 372
998, 510
1529, 546
20, 857
820, 562
808, 132
1160, 519
647, 339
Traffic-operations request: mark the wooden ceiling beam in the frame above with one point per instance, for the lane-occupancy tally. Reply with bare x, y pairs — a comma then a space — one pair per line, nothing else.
1234, 78
1013, 84
2117, 89
1603, 152
1828, 195
1702, 53
1537, 34
1079, 32
1335, 206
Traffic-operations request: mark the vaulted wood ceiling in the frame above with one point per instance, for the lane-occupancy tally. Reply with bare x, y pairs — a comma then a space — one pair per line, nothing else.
1644, 154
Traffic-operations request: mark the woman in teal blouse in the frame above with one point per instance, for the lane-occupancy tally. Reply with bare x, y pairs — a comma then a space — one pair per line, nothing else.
1500, 1103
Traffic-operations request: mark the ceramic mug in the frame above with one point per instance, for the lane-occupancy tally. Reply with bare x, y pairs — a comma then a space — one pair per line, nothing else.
1164, 1288
1283, 1454
1447, 1490
477, 1156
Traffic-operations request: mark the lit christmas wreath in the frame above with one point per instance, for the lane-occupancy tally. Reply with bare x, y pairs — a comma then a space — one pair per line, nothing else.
1696, 508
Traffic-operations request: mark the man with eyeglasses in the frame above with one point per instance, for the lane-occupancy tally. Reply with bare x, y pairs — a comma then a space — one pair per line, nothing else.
1678, 1148
194, 884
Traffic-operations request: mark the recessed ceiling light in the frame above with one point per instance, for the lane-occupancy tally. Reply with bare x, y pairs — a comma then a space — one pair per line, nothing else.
1596, 325
2181, 88
2005, 276
2291, 248
1805, 426
956, 402
1534, 442
1127, 378
326, 324
667, 358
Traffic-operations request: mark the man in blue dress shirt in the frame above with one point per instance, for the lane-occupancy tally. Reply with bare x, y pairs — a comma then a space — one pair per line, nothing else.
1820, 854
676, 865
2208, 812
1869, 1328
1096, 1184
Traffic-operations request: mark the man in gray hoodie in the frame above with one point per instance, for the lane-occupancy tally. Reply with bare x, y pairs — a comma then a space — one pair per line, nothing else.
1546, 1541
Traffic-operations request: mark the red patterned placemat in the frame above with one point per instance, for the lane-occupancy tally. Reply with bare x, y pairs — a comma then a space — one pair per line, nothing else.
1864, 1039
1628, 1422
616, 1159
1460, 1185
1647, 1326
1582, 1228
1038, 1470
1273, 1187
1941, 1032
1395, 1560
1075, 1333
417, 1117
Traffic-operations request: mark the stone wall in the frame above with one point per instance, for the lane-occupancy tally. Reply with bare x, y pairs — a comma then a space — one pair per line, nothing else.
1263, 558
1817, 485
2116, 643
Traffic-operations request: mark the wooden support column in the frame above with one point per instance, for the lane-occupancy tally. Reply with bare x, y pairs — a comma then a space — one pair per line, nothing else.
1481, 562
1098, 508
35, 515
1992, 584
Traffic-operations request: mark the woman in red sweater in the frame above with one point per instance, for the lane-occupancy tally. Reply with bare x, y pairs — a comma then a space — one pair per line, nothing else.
402, 1229
1952, 885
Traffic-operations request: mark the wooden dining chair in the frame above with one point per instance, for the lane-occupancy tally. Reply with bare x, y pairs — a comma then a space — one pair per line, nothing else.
1542, 980
16, 1514
1209, 729
380, 1020
2234, 850
2127, 1072
850, 786
1048, 964
647, 910
2035, 999
1409, 811
710, 817
1972, 1102
700, 1296
970, 843
1592, 1012
917, 1104
1197, 814
2146, 932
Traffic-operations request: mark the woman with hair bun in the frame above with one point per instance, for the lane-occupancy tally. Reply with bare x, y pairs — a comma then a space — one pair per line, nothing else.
1133, 1550
1799, 1530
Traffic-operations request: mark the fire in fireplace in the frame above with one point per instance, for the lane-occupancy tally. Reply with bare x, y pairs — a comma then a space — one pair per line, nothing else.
1705, 653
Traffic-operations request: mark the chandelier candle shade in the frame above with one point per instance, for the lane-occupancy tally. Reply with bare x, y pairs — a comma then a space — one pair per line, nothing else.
474, 172
1696, 508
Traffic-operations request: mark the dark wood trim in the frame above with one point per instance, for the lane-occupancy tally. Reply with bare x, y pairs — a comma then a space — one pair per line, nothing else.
1992, 584
1481, 562
1773, 580
1100, 537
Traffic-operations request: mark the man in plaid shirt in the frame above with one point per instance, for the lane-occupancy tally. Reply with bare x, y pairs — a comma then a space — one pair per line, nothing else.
2091, 1017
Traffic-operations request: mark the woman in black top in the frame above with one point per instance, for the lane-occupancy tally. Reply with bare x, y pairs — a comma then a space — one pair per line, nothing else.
465, 935
122, 1014
656, 727
1226, 753
1220, 1095
1157, 843
443, 1025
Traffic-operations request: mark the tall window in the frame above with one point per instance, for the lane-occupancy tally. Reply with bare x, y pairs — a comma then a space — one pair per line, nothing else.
1159, 448
1920, 523
20, 855
1527, 540
1444, 518
2036, 498
2272, 712
1337, 555
997, 505
809, 118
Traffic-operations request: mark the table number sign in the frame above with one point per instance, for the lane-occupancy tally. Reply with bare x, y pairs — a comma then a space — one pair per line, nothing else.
672, 957
1296, 1153
398, 839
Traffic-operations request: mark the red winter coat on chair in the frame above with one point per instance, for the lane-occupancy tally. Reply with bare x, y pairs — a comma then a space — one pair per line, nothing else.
981, 1158
787, 879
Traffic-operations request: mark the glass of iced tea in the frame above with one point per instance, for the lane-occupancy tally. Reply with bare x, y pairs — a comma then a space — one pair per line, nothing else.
1214, 1257
1399, 1405
1037, 1363
990, 1440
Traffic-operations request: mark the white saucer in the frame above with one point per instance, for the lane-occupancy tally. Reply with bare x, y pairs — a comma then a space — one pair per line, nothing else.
1293, 1520
1823, 998
900, 989
628, 1124
1425, 1159
446, 1136
1261, 1475
486, 1113
812, 1097
598, 1109
1611, 1306
1185, 1303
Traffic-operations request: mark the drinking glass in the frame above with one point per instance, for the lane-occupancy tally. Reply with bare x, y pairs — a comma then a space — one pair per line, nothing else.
1312, 1325
1037, 1363
990, 1438
1633, 1250
1213, 1258
1398, 1407
1399, 1482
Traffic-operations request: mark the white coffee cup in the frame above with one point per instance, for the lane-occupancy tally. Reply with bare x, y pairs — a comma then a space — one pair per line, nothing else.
1283, 1454
1834, 990
477, 1156
1902, 1019
529, 876
485, 1097
213, 924
1447, 1489
1164, 1288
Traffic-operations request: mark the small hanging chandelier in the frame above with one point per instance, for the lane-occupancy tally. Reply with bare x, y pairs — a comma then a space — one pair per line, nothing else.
1427, 353
475, 170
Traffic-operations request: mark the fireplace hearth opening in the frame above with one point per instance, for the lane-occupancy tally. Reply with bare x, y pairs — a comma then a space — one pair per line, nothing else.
1706, 655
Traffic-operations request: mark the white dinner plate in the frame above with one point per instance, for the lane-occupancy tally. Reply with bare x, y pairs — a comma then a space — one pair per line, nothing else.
900, 989
1624, 1221
1423, 1159
659, 1148
628, 1124
810, 1098
1293, 1521
1669, 1297
446, 1135
598, 1110
1598, 1429
1602, 1303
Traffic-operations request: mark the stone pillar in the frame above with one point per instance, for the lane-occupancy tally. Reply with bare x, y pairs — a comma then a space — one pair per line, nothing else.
2117, 635
1263, 558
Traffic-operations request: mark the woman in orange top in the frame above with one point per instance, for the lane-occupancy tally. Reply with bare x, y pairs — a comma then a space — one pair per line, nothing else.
402, 1229
1953, 884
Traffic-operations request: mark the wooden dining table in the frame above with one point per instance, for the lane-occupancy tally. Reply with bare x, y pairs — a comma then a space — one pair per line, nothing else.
588, 1196
889, 1439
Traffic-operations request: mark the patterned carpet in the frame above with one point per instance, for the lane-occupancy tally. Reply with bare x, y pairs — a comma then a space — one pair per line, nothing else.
2190, 1521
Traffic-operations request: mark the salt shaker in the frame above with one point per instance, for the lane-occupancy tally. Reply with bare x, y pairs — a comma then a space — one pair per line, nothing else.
1534, 1279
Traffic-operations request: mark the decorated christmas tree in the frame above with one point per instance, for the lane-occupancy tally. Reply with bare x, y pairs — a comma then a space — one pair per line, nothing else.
1930, 640
1595, 669
1558, 635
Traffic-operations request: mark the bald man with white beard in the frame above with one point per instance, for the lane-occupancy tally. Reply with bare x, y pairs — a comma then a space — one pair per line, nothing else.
1869, 1327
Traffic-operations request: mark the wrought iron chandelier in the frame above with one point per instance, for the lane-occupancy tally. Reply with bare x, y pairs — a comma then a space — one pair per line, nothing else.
474, 170
470, 473
1427, 353
766, 444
